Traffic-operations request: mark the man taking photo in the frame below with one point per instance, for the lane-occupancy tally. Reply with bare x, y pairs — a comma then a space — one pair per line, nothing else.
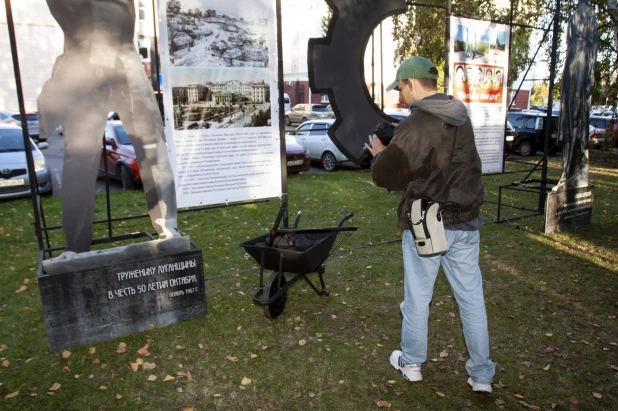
433, 157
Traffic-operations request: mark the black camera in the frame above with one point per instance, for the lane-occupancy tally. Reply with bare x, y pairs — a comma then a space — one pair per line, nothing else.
384, 131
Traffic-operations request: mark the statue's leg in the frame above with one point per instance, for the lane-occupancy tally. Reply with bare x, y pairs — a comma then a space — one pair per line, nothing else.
83, 136
139, 112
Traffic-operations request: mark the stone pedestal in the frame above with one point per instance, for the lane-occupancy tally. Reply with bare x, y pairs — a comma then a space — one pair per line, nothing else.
99, 295
568, 208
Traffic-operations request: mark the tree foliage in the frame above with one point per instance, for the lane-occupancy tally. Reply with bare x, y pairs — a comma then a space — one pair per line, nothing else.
421, 31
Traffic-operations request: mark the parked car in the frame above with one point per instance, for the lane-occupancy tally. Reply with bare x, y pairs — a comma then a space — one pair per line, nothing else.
531, 132
510, 139
598, 127
120, 156
303, 112
31, 118
313, 135
14, 179
297, 157
286, 102
397, 114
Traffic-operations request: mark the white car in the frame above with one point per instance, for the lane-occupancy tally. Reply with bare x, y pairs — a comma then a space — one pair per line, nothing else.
14, 179
313, 135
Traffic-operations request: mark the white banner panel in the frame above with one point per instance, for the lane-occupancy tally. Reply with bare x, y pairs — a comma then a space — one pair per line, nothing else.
219, 67
479, 63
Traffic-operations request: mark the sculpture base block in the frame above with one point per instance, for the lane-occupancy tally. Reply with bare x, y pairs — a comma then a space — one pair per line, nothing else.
99, 295
568, 208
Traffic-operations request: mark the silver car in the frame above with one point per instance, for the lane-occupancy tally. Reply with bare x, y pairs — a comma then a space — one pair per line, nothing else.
303, 112
15, 118
14, 180
313, 135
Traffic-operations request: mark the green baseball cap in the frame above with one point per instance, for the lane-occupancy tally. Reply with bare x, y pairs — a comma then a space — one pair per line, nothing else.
415, 67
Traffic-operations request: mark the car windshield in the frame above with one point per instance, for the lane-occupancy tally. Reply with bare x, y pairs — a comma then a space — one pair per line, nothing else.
321, 109
29, 117
319, 129
11, 140
123, 138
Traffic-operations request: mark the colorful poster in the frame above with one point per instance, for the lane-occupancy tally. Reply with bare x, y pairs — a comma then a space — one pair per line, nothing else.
220, 92
479, 62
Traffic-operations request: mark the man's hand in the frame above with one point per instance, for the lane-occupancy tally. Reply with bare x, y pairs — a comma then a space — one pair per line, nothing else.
375, 145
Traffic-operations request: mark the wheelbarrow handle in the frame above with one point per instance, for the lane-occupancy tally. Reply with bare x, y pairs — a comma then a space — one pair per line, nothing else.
347, 217
298, 216
280, 215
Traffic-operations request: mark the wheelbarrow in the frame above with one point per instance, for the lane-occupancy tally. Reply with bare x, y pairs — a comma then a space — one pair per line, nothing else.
291, 250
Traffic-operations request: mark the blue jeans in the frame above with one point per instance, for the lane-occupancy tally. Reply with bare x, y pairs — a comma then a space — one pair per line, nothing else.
461, 265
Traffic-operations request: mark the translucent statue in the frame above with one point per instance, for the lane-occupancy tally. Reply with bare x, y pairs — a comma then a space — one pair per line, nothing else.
577, 82
100, 71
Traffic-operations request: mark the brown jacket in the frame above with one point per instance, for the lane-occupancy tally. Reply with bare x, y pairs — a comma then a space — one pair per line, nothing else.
433, 156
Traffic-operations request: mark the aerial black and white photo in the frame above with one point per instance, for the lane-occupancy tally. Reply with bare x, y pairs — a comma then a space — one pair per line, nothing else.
218, 33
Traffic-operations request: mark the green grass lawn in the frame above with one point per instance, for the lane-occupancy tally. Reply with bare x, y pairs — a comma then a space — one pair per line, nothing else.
551, 304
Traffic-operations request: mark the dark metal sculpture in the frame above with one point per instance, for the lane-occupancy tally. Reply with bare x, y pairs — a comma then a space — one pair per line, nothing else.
577, 82
100, 71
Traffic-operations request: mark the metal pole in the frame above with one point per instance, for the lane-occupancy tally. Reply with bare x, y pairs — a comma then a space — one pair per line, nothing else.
156, 46
24, 123
284, 173
447, 46
552, 76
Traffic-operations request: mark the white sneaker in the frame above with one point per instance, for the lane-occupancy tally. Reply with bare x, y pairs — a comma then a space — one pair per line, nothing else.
478, 387
410, 372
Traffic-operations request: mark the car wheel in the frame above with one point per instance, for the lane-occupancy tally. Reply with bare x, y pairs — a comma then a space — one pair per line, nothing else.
287, 121
526, 148
329, 162
126, 179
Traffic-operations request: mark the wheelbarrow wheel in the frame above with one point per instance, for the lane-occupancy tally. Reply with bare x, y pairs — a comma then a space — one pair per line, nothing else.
272, 286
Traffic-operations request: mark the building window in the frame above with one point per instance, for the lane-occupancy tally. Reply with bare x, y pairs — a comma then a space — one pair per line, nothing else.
324, 99
395, 96
144, 49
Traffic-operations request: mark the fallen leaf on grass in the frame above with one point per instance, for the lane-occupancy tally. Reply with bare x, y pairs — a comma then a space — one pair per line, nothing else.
11, 395
519, 396
21, 289
152, 378
3, 347
65, 369
139, 361
383, 404
134, 366
96, 361
189, 376
92, 350
549, 335
122, 348
168, 378
597, 395
469, 403
245, 381
118, 396
6, 363
547, 368
527, 364
54, 387
66, 354
302, 342
242, 387
201, 346
76, 376
102, 387
230, 358
574, 400
253, 355
498, 403
144, 350
440, 394
148, 366
151, 327
443, 354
